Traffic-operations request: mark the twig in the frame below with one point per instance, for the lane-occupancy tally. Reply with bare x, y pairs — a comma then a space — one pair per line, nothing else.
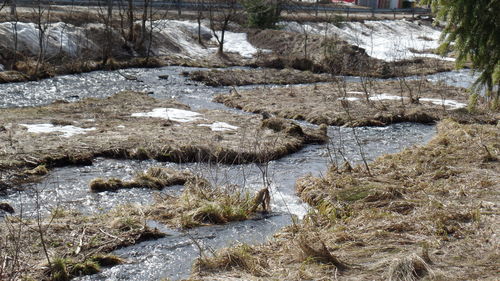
110, 235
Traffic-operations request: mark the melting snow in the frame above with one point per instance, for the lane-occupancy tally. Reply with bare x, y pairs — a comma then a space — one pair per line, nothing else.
67, 131
238, 43
182, 34
389, 40
220, 126
451, 103
173, 114
59, 38
384, 97
171, 37
349, 98
355, 93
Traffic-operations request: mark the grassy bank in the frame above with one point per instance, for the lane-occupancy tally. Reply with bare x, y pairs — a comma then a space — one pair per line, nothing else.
67, 244
366, 103
239, 77
106, 128
428, 213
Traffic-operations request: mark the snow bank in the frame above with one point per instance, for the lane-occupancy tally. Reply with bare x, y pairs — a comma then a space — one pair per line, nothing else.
182, 34
219, 126
237, 43
389, 40
170, 37
67, 131
58, 38
173, 114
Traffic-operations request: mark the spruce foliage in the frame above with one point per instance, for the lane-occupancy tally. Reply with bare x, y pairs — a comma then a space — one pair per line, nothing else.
472, 29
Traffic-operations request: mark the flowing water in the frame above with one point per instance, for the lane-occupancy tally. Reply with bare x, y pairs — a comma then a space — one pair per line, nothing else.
172, 256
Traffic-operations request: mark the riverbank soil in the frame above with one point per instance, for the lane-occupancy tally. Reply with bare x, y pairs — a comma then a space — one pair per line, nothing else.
366, 103
133, 125
430, 212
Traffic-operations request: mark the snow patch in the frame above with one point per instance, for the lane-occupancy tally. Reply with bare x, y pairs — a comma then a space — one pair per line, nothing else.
219, 126
384, 97
237, 43
58, 38
174, 114
389, 40
451, 103
67, 131
182, 34
171, 37
349, 98
355, 93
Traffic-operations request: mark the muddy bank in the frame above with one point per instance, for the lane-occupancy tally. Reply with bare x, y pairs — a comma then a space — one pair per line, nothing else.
427, 212
132, 125
368, 103
240, 77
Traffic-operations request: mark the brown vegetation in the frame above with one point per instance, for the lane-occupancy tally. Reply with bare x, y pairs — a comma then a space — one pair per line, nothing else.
334, 103
68, 244
204, 204
117, 134
239, 77
429, 213
154, 178
319, 54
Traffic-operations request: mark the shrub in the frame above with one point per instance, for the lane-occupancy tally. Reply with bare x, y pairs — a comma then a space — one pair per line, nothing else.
261, 13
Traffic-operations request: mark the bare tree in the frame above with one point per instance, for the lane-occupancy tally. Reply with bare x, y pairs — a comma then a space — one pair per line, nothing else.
220, 19
107, 18
199, 16
14, 19
4, 3
42, 15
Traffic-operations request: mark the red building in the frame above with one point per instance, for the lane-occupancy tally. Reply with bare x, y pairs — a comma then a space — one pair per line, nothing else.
381, 4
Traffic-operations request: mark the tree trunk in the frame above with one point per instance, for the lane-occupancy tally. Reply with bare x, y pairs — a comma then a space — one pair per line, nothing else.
131, 35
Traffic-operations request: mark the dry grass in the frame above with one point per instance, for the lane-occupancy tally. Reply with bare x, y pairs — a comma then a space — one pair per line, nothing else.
327, 103
119, 135
240, 257
429, 213
76, 244
408, 268
239, 77
153, 178
203, 204
333, 56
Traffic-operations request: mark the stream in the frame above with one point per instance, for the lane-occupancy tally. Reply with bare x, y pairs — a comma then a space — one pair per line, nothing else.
172, 257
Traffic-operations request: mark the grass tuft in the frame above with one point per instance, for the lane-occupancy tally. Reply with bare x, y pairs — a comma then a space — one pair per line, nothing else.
238, 257
409, 268
153, 178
